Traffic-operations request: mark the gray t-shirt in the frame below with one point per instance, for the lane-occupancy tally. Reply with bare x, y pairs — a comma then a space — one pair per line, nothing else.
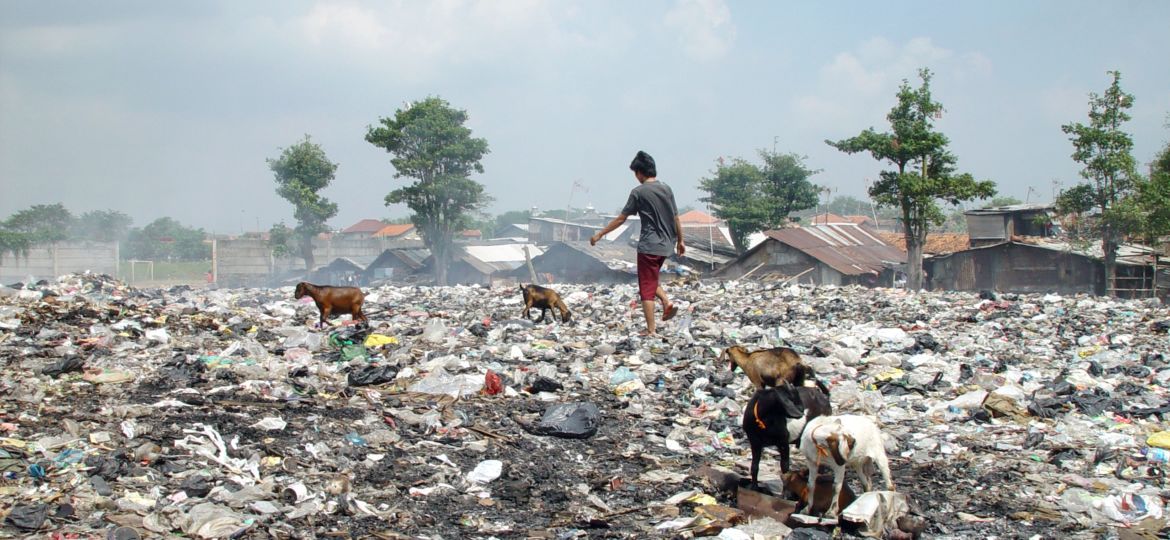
653, 202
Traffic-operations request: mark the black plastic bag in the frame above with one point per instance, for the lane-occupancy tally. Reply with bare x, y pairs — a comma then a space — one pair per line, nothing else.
570, 421
372, 374
28, 517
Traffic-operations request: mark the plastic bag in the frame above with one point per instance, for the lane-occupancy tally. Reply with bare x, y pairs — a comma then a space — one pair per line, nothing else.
486, 471
372, 374
65, 365
1160, 439
1129, 508
570, 421
28, 517
441, 382
434, 331
621, 375
492, 384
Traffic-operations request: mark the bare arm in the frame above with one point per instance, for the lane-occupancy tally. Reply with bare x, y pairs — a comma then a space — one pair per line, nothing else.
617, 222
678, 229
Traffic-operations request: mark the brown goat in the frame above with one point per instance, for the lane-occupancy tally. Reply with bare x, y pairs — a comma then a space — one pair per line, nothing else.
770, 367
796, 489
544, 299
334, 300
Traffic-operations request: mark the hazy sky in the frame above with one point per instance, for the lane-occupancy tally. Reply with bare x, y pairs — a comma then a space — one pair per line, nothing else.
171, 108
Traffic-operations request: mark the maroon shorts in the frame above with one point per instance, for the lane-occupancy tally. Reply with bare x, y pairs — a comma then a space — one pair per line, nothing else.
648, 267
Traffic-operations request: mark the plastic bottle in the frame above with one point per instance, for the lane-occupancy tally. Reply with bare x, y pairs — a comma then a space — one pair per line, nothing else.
1157, 455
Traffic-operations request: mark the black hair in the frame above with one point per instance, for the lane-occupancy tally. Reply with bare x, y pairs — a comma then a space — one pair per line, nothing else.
644, 164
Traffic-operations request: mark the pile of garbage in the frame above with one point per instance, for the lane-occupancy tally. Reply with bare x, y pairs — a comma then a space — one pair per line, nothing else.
133, 413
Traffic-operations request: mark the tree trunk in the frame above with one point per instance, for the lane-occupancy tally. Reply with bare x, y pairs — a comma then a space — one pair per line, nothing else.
307, 252
441, 260
913, 263
737, 240
1109, 248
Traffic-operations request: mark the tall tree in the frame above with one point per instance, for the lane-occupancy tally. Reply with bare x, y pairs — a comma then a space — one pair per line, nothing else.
736, 196
301, 172
42, 223
925, 169
430, 144
1154, 197
102, 226
786, 187
751, 198
167, 239
1106, 153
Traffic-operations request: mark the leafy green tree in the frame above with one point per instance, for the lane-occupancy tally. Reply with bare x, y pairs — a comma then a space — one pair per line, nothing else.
281, 240
15, 243
786, 187
1153, 199
736, 194
1106, 153
167, 239
301, 172
752, 198
42, 223
102, 226
431, 145
925, 169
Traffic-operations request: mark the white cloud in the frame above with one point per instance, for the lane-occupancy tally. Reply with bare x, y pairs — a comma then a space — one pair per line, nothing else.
345, 24
704, 28
407, 35
856, 87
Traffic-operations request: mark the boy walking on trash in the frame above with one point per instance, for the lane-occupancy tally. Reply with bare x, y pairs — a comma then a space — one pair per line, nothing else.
653, 201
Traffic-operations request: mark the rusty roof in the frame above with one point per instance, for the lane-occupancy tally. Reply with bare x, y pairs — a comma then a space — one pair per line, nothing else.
845, 247
936, 243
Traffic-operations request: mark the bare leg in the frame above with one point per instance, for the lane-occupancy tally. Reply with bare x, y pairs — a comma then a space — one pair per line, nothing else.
648, 312
667, 305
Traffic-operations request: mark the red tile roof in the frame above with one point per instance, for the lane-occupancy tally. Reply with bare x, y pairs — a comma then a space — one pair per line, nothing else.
364, 226
394, 230
697, 217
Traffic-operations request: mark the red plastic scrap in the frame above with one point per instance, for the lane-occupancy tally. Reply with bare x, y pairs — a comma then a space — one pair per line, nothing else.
492, 384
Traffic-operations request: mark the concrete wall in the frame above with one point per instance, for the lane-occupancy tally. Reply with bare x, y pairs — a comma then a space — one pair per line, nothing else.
248, 262
47, 262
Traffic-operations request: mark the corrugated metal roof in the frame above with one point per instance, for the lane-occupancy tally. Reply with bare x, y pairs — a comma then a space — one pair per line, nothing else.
503, 253
1127, 254
845, 247
1010, 209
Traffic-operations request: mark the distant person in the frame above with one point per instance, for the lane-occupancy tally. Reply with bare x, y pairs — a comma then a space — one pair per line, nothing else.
653, 201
